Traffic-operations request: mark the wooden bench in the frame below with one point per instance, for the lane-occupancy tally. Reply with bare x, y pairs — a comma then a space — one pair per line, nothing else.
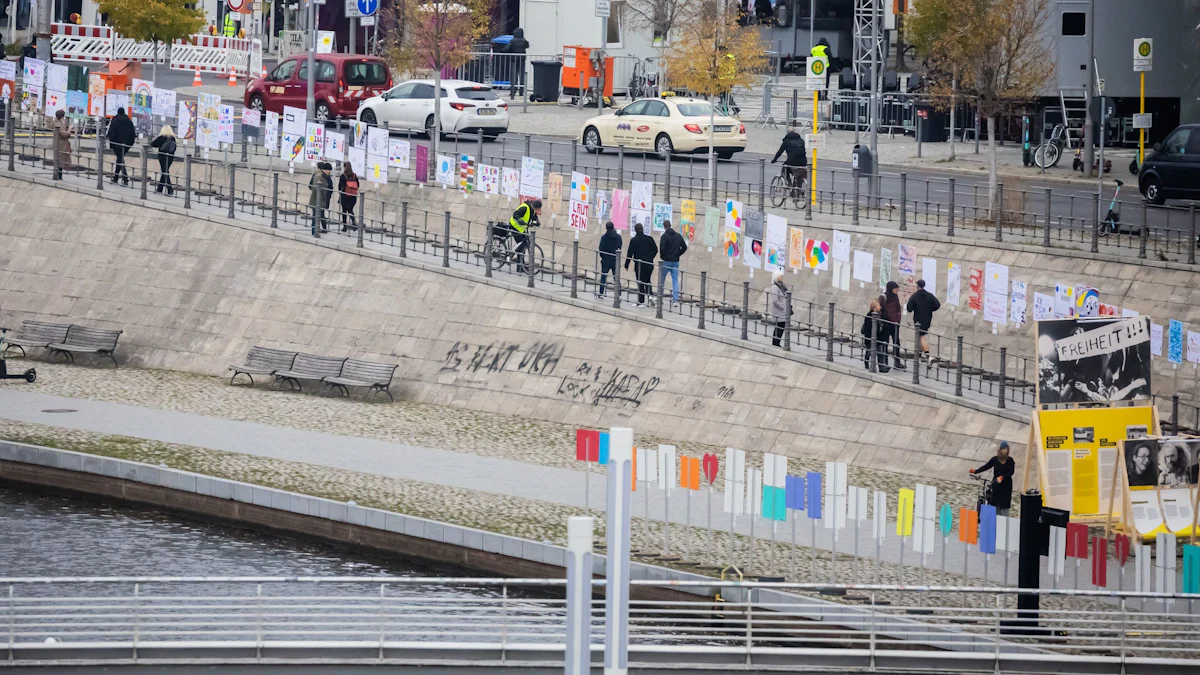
263, 361
37, 334
309, 367
84, 340
356, 373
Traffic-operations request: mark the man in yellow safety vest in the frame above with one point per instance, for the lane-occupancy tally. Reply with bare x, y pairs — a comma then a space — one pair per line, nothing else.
229, 30
522, 219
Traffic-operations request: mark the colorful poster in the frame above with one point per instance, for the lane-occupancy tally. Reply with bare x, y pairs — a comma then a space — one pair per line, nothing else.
398, 152
225, 124
752, 253
816, 254
555, 187
251, 122
489, 179
907, 267
358, 160
533, 176
712, 225
581, 187
1016, 310
775, 244
1175, 341
953, 284
34, 73
466, 173
1064, 301
1043, 307
335, 146
841, 246
77, 104
733, 215
620, 209
774, 257
732, 244
55, 101
8, 81
1087, 301
422, 169
885, 267
377, 142
95, 93
206, 123
186, 120
641, 197
795, 248
142, 96
165, 103
31, 98
1093, 360
291, 148
510, 182
314, 142
975, 290
114, 101
271, 131
1193, 347
360, 135
929, 274
662, 214
377, 168
1156, 339
864, 265
602, 205
687, 220
578, 215
445, 172
1083, 440
1109, 310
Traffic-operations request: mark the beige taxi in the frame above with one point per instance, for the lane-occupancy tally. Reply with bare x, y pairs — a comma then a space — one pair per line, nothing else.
664, 126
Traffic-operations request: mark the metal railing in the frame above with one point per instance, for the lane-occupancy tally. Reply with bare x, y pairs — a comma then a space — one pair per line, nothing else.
485, 620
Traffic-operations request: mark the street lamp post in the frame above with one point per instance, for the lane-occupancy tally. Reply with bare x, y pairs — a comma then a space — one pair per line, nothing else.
310, 104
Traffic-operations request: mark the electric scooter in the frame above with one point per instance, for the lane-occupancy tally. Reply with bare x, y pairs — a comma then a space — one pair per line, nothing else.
1112, 221
29, 375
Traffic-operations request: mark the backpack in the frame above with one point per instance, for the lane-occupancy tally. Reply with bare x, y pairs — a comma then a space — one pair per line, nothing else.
352, 187
168, 146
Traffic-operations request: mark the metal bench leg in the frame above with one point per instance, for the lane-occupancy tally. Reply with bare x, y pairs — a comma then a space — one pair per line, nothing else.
238, 372
111, 357
345, 390
68, 357
8, 347
384, 390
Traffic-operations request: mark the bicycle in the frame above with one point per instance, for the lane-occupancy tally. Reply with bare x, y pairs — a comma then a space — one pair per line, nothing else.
1047, 154
504, 250
783, 186
985, 492
643, 83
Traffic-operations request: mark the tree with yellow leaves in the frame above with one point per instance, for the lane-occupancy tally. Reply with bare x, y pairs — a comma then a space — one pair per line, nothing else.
153, 20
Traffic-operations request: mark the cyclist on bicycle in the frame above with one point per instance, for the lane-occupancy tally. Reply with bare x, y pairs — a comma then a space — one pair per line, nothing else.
525, 217
797, 158
1003, 468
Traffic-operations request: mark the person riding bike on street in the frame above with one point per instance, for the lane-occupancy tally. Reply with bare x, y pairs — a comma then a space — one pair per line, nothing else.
797, 159
525, 217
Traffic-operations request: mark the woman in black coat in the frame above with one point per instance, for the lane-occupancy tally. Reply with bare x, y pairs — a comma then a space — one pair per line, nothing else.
1003, 467
166, 146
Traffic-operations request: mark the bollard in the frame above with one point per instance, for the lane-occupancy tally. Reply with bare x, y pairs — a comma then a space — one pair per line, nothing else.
362, 218
99, 161
667, 180
873, 346
232, 188
829, 336
617, 287
762, 184
479, 148
145, 156
1143, 233
809, 194
916, 354
1046, 232
1003, 375
854, 218
575, 269
403, 229
661, 280
529, 257
918, 135
1175, 413
950, 226
187, 181
712, 191
745, 310
903, 202
275, 195
1096, 223
787, 325
316, 230
1192, 241
579, 595
487, 250
620, 167
446, 240
703, 298
999, 214
958, 365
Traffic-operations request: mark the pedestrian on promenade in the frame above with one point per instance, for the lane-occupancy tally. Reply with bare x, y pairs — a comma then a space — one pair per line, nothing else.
642, 251
121, 137
610, 254
166, 145
889, 326
348, 194
320, 189
671, 248
1003, 467
873, 339
62, 143
922, 305
779, 306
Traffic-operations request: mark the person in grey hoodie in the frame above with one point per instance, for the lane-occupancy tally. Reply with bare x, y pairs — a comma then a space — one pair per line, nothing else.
610, 254
779, 306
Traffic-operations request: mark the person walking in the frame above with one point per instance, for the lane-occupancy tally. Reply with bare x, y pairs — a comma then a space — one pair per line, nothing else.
348, 195
166, 145
62, 143
889, 327
610, 254
641, 252
671, 248
121, 137
872, 329
922, 305
1003, 467
779, 306
320, 188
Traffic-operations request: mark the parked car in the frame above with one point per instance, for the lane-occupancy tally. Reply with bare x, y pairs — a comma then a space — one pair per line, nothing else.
466, 107
343, 81
664, 125
1172, 169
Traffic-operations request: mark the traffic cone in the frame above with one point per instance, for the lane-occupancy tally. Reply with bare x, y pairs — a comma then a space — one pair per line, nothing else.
196, 80
232, 77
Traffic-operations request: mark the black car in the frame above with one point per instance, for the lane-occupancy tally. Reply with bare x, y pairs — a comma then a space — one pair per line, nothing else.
1172, 170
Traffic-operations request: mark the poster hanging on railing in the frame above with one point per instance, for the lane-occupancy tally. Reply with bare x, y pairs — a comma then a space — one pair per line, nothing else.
335, 146
143, 108
752, 252
398, 153
56, 77
712, 226
555, 189
906, 268
1064, 301
816, 255
8, 80
732, 244
581, 187
1156, 339
510, 183
1093, 360
975, 290
377, 169
662, 214
164, 103
96, 91
1087, 301
533, 175
1016, 310
271, 131
929, 274
314, 142
775, 244
55, 101
77, 104
445, 170
841, 275
620, 209
641, 196
841, 246
864, 265
995, 293
1175, 341
359, 130
603, 204
489, 179
33, 72
885, 267
377, 141
953, 284
31, 99
206, 120
225, 124
733, 215
796, 248
578, 216
687, 220
358, 160
466, 173
422, 166
1043, 307
754, 224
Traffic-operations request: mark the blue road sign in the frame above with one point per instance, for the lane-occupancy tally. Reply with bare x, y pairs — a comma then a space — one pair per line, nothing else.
368, 7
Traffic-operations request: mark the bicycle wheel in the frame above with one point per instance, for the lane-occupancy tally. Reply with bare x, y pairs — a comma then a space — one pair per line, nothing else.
1047, 155
779, 191
800, 194
502, 252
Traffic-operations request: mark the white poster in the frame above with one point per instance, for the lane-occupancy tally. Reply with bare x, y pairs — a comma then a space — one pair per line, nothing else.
8, 79
1016, 308
358, 160
864, 265
377, 168
510, 182
399, 152
1193, 347
533, 175
489, 179
953, 283
1156, 336
1058, 478
578, 215
359, 139
314, 142
271, 132
995, 293
447, 171
225, 124
841, 275
55, 101
251, 118
114, 100
641, 196
56, 77
581, 187
1043, 307
841, 246
335, 146
164, 103
295, 120
377, 141
929, 274
34, 72
1064, 301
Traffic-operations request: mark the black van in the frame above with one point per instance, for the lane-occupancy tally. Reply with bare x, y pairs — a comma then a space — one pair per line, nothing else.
1172, 170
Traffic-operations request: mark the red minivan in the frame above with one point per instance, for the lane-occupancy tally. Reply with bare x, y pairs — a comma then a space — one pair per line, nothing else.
342, 82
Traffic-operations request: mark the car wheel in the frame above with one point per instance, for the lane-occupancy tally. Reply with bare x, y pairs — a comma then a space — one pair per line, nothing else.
429, 128
591, 140
1153, 190
663, 145
257, 103
725, 154
368, 117
324, 114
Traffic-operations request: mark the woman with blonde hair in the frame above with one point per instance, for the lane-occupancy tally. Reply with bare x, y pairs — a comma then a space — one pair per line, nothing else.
166, 145
779, 306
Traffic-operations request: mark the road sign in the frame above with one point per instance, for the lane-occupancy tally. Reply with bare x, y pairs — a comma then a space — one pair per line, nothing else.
324, 42
817, 71
1143, 55
367, 21
603, 8
814, 141
1142, 120
352, 9
236, 6
367, 7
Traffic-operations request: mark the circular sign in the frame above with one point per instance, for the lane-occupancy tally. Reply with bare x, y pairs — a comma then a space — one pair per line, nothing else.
1143, 49
236, 5
366, 7
818, 67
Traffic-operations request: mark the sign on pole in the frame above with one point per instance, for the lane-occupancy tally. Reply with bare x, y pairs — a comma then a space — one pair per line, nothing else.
1142, 120
1143, 55
603, 8
817, 67
324, 42
352, 9
367, 7
815, 141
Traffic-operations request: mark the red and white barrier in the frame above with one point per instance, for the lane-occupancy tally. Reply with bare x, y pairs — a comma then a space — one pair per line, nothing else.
81, 44
200, 53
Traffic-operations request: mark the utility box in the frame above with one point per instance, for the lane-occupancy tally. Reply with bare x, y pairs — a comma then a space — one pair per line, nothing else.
579, 67
861, 160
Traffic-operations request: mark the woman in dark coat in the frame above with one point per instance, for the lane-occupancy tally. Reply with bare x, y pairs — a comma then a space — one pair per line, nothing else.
166, 145
1003, 467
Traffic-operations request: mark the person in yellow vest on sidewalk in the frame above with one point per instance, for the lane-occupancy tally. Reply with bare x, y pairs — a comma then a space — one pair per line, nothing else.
821, 50
229, 30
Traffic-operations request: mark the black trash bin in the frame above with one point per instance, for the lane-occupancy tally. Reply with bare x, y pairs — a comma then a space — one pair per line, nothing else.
931, 124
545, 80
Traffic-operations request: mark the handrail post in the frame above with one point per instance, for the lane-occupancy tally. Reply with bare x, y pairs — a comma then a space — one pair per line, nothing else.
703, 298
903, 202
487, 249
245, 157
446, 240
575, 267
620, 167
137, 619
403, 229
667, 177
854, 213
958, 368
810, 193
1175, 413
745, 310
1143, 233
1096, 224
232, 186
57, 175
916, 355
362, 218
274, 196
187, 181
662, 278
528, 254
762, 184
11, 131
617, 286
873, 346
829, 335
1003, 375
99, 159
1046, 232
145, 176
787, 325
999, 214
1192, 241
950, 212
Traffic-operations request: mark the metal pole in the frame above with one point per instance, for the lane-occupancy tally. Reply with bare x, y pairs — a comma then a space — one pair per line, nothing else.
616, 600
617, 286
712, 178
787, 338
667, 178
487, 250
999, 211
703, 298
1144, 231
1175, 413
762, 184
274, 195
916, 356
903, 202
828, 349
1192, 241
11, 132
621, 167
99, 156
1003, 375
446, 240
145, 156
575, 269
1096, 225
855, 212
311, 26
958, 367
950, 211
187, 182
245, 156
232, 185
528, 254
404, 230
57, 175
745, 310
362, 218
658, 308
579, 595
1046, 232
528, 143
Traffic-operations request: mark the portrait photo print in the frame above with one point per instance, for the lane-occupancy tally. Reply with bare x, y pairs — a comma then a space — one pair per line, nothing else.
1093, 360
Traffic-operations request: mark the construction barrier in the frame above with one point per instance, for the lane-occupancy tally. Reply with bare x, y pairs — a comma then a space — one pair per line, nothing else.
201, 53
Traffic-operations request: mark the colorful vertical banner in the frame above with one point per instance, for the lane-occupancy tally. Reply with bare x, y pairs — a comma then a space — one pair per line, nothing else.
687, 220
422, 164
712, 226
975, 290
796, 248
1175, 342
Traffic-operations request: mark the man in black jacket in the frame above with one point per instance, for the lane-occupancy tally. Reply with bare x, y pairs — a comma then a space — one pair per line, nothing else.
610, 252
121, 137
797, 158
671, 248
922, 305
642, 250
518, 45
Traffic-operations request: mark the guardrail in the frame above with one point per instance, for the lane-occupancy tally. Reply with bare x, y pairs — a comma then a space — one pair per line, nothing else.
476, 621
205, 53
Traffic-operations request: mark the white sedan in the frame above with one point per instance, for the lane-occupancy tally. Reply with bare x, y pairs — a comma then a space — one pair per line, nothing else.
466, 107
664, 125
